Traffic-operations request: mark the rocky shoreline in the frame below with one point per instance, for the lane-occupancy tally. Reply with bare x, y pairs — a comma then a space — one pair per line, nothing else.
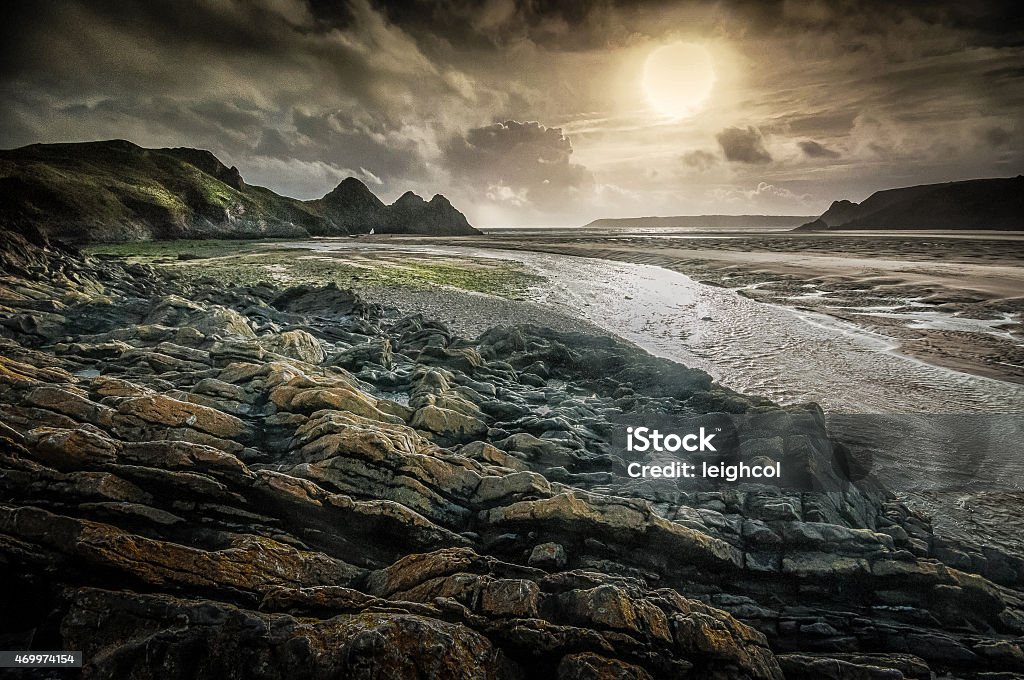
208, 481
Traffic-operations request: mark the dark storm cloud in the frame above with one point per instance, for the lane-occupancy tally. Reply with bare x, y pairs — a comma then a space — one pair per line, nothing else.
355, 138
269, 50
232, 115
743, 145
206, 122
813, 149
273, 144
582, 24
518, 161
349, 142
299, 93
562, 24
159, 24
324, 83
987, 23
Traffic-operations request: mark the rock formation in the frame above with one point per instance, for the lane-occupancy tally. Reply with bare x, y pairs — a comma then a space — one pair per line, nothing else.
353, 207
437, 216
117, 191
200, 481
972, 204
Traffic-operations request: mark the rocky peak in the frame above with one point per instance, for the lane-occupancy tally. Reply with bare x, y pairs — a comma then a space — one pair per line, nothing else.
411, 214
409, 200
351, 190
350, 185
352, 208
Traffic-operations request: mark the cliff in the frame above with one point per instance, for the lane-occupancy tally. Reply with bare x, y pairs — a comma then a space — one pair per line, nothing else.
118, 191
972, 204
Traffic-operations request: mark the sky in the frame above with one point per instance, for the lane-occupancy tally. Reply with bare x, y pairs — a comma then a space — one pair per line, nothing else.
537, 112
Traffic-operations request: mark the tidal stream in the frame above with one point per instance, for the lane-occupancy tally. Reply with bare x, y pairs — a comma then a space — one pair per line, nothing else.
928, 428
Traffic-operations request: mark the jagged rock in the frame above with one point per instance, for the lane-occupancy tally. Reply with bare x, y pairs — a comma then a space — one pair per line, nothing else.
610, 607
369, 521
539, 451
507, 488
12, 371
484, 452
328, 302
568, 512
180, 455
172, 458
305, 395
465, 359
548, 556
415, 569
590, 666
447, 423
67, 449
296, 345
356, 357
156, 636
800, 667
71, 404
248, 563
164, 411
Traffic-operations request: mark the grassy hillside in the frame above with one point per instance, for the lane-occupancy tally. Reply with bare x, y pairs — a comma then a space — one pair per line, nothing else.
116, 191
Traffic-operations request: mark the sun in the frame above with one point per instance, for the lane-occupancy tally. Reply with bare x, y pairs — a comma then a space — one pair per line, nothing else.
678, 78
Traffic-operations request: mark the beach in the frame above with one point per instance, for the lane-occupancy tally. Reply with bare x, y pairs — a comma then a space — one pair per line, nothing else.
333, 436
950, 299
904, 325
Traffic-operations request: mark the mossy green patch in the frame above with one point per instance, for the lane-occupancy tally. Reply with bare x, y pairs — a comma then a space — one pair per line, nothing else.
252, 262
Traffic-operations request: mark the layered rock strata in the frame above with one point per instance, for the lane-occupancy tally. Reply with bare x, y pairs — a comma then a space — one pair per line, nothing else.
200, 481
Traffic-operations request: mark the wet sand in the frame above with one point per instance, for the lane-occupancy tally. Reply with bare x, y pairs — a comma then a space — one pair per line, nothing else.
470, 314
951, 300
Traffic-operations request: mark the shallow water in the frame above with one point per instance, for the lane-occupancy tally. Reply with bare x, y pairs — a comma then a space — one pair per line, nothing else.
939, 433
789, 356
941, 321
785, 354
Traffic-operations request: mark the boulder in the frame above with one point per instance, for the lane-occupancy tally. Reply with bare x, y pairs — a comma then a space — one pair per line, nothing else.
550, 556
447, 423
295, 345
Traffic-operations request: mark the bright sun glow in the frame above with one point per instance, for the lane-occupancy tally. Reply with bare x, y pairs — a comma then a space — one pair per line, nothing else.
678, 78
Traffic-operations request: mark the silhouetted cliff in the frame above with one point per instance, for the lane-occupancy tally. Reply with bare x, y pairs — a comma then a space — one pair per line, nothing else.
971, 204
